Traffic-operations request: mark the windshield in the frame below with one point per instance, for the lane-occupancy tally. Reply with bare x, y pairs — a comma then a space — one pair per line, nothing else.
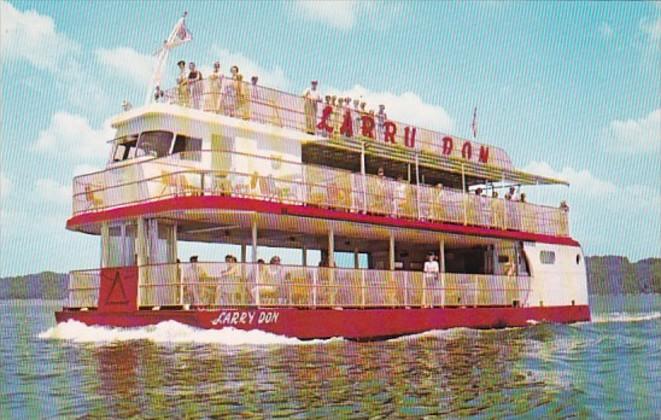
154, 143
124, 148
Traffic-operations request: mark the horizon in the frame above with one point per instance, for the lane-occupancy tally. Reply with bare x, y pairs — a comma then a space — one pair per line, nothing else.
569, 91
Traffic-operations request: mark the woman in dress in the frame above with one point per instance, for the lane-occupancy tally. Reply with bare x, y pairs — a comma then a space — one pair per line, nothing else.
213, 96
182, 84
195, 82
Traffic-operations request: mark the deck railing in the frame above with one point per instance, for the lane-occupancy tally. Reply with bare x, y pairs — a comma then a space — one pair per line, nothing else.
295, 183
248, 284
270, 106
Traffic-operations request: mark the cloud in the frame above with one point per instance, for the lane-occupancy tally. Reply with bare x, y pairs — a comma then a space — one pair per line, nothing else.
581, 180
344, 15
5, 186
72, 136
52, 191
605, 30
274, 77
127, 63
652, 29
406, 107
32, 37
633, 136
592, 191
337, 14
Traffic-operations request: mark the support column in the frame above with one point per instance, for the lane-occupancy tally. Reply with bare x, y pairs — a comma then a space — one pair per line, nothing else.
362, 173
105, 244
417, 185
305, 255
254, 259
331, 264
391, 252
141, 251
441, 258
465, 198
356, 258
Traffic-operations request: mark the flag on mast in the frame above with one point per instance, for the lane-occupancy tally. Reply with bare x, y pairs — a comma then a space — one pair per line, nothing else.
474, 123
180, 35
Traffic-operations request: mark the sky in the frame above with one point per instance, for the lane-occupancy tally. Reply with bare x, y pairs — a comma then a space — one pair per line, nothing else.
570, 90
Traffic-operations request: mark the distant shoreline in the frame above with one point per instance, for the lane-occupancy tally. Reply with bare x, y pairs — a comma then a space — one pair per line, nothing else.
607, 276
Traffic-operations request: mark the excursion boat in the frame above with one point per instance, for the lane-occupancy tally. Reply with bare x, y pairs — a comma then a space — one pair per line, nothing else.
226, 162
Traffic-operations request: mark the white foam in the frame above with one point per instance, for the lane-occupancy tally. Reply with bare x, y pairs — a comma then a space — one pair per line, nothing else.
625, 317
168, 332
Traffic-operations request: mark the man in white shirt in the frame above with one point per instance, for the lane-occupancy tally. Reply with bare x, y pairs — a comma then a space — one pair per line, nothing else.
312, 98
431, 270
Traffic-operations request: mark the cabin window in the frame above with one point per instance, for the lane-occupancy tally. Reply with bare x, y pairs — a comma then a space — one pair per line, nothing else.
578, 259
125, 148
188, 147
503, 259
547, 257
154, 143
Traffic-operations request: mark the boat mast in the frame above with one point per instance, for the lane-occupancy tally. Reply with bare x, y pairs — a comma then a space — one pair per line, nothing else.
178, 36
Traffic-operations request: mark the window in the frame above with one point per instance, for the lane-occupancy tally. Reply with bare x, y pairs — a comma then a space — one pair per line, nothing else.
503, 259
124, 148
154, 143
547, 257
188, 147
578, 259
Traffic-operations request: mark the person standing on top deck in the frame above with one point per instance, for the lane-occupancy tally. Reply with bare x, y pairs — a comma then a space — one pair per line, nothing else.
195, 82
214, 86
381, 118
231, 96
312, 98
182, 84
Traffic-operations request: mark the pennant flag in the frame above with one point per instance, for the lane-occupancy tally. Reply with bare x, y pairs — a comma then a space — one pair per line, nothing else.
180, 35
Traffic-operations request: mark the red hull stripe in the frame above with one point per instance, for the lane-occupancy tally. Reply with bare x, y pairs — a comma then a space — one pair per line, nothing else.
246, 204
358, 324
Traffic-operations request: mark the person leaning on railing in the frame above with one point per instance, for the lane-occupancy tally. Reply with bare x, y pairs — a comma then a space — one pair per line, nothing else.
195, 83
183, 96
191, 277
312, 98
213, 98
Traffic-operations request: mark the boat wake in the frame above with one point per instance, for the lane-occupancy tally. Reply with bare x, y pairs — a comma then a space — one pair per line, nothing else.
625, 317
168, 332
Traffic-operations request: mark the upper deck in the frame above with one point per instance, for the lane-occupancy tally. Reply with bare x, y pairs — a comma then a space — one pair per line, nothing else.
255, 143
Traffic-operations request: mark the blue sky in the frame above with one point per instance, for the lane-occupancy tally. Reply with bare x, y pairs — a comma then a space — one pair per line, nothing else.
568, 89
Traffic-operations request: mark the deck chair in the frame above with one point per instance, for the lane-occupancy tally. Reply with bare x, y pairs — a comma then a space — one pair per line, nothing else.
90, 196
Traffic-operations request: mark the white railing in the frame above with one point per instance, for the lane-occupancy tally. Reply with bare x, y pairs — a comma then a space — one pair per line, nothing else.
247, 284
295, 183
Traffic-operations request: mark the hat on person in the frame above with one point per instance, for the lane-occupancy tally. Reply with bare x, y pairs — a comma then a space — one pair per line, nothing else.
181, 63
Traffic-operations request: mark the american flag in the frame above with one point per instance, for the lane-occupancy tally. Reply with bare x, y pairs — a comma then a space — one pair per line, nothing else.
474, 123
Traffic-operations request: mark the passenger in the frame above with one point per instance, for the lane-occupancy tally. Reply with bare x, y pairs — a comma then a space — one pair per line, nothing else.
380, 172
563, 206
478, 191
438, 207
277, 278
192, 282
182, 85
523, 197
312, 98
381, 118
231, 96
195, 82
362, 106
212, 101
496, 210
431, 270
158, 94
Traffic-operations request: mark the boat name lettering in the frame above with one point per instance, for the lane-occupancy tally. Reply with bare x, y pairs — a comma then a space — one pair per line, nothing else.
378, 128
245, 318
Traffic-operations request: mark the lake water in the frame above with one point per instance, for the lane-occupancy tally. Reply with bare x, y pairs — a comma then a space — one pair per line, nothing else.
607, 368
